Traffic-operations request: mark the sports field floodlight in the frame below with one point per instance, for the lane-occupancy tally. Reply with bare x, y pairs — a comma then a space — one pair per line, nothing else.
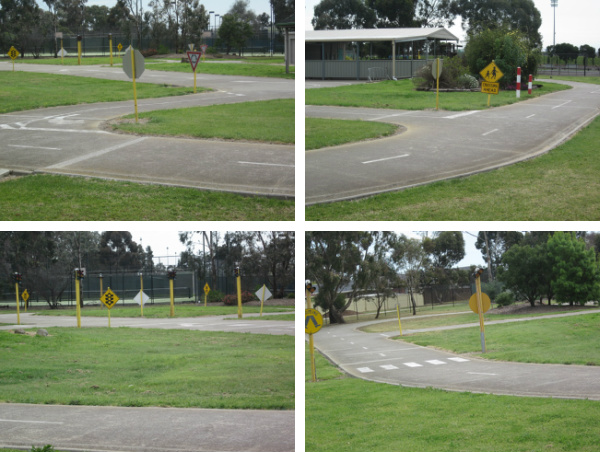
554, 4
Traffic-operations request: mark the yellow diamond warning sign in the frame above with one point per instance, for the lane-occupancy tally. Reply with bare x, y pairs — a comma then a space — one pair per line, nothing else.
491, 73
109, 298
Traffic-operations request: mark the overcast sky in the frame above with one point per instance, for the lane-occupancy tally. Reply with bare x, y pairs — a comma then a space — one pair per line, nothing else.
576, 21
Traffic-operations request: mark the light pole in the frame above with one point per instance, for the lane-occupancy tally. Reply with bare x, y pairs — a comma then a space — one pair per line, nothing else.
212, 34
554, 4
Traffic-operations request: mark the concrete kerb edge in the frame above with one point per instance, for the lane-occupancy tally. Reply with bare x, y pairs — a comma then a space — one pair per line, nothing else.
546, 147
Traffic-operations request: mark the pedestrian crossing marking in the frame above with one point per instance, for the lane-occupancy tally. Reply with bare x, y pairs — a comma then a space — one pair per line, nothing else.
365, 370
413, 364
436, 362
388, 367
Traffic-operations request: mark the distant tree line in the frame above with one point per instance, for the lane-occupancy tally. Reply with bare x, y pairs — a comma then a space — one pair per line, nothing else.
26, 26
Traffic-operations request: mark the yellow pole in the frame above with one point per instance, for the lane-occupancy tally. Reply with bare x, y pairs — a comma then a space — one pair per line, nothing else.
17, 291
311, 342
172, 314
78, 301
194, 81
109, 317
134, 90
399, 323
489, 99
205, 297
79, 50
141, 285
437, 82
110, 48
480, 309
239, 295
262, 300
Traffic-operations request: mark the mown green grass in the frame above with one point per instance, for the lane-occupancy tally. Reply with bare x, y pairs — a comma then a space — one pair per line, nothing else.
401, 95
71, 60
568, 340
241, 69
138, 367
27, 91
64, 198
410, 322
320, 133
367, 416
267, 121
163, 311
560, 185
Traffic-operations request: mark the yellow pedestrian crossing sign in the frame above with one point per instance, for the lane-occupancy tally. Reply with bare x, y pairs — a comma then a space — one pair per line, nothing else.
109, 298
491, 73
313, 321
206, 289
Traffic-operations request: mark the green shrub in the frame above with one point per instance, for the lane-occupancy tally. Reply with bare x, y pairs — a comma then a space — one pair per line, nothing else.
46, 448
162, 49
215, 296
467, 81
291, 295
452, 69
505, 299
231, 299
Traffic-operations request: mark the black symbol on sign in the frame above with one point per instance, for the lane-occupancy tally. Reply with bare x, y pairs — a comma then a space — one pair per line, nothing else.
109, 299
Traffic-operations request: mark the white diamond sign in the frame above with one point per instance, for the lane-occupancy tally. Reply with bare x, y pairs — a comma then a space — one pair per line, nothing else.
145, 298
263, 293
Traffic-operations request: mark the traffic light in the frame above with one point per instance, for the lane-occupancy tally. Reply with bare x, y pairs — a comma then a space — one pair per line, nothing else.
171, 274
237, 272
310, 287
17, 277
478, 273
79, 274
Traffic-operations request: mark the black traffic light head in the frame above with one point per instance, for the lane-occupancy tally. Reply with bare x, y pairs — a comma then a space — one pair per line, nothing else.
478, 273
79, 274
17, 277
236, 272
171, 274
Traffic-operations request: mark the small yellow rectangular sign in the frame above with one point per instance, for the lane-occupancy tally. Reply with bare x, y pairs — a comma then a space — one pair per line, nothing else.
490, 88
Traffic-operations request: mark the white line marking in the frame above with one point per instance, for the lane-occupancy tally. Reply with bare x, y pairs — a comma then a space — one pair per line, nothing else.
32, 422
382, 354
365, 370
459, 360
413, 364
460, 115
530, 116
366, 348
480, 373
435, 362
95, 154
560, 105
388, 367
387, 158
266, 164
490, 132
32, 147
386, 116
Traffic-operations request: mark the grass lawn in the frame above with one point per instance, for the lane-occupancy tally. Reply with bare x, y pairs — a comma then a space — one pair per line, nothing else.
320, 133
138, 367
401, 95
163, 311
560, 185
241, 69
267, 121
27, 91
71, 60
568, 340
410, 322
367, 416
64, 198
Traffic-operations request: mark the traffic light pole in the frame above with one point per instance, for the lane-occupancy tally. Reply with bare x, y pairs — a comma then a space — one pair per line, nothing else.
239, 291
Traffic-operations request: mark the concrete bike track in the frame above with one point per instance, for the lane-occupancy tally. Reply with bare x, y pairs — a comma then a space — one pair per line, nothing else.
376, 357
435, 145
71, 140
149, 429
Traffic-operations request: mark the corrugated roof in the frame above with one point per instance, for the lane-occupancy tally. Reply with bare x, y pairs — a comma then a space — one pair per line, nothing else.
378, 34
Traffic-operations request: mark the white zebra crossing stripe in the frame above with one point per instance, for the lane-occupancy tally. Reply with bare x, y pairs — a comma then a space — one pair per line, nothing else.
364, 370
459, 360
413, 364
388, 367
436, 362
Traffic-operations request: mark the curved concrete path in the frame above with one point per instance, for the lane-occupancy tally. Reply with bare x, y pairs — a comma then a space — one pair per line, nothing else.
375, 357
117, 429
441, 144
70, 140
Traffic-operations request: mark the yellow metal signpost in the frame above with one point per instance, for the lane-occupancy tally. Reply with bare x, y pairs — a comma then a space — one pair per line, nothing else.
313, 320
109, 299
13, 55
239, 291
491, 74
17, 277
481, 307
79, 275
206, 290
110, 48
172, 275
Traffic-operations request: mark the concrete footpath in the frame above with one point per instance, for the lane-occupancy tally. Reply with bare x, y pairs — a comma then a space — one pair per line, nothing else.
96, 429
72, 140
437, 145
208, 323
375, 357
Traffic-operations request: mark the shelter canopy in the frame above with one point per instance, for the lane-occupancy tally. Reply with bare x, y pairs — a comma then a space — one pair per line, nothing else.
379, 34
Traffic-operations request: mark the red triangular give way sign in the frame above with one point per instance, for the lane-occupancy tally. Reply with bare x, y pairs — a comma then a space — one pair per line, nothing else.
194, 57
